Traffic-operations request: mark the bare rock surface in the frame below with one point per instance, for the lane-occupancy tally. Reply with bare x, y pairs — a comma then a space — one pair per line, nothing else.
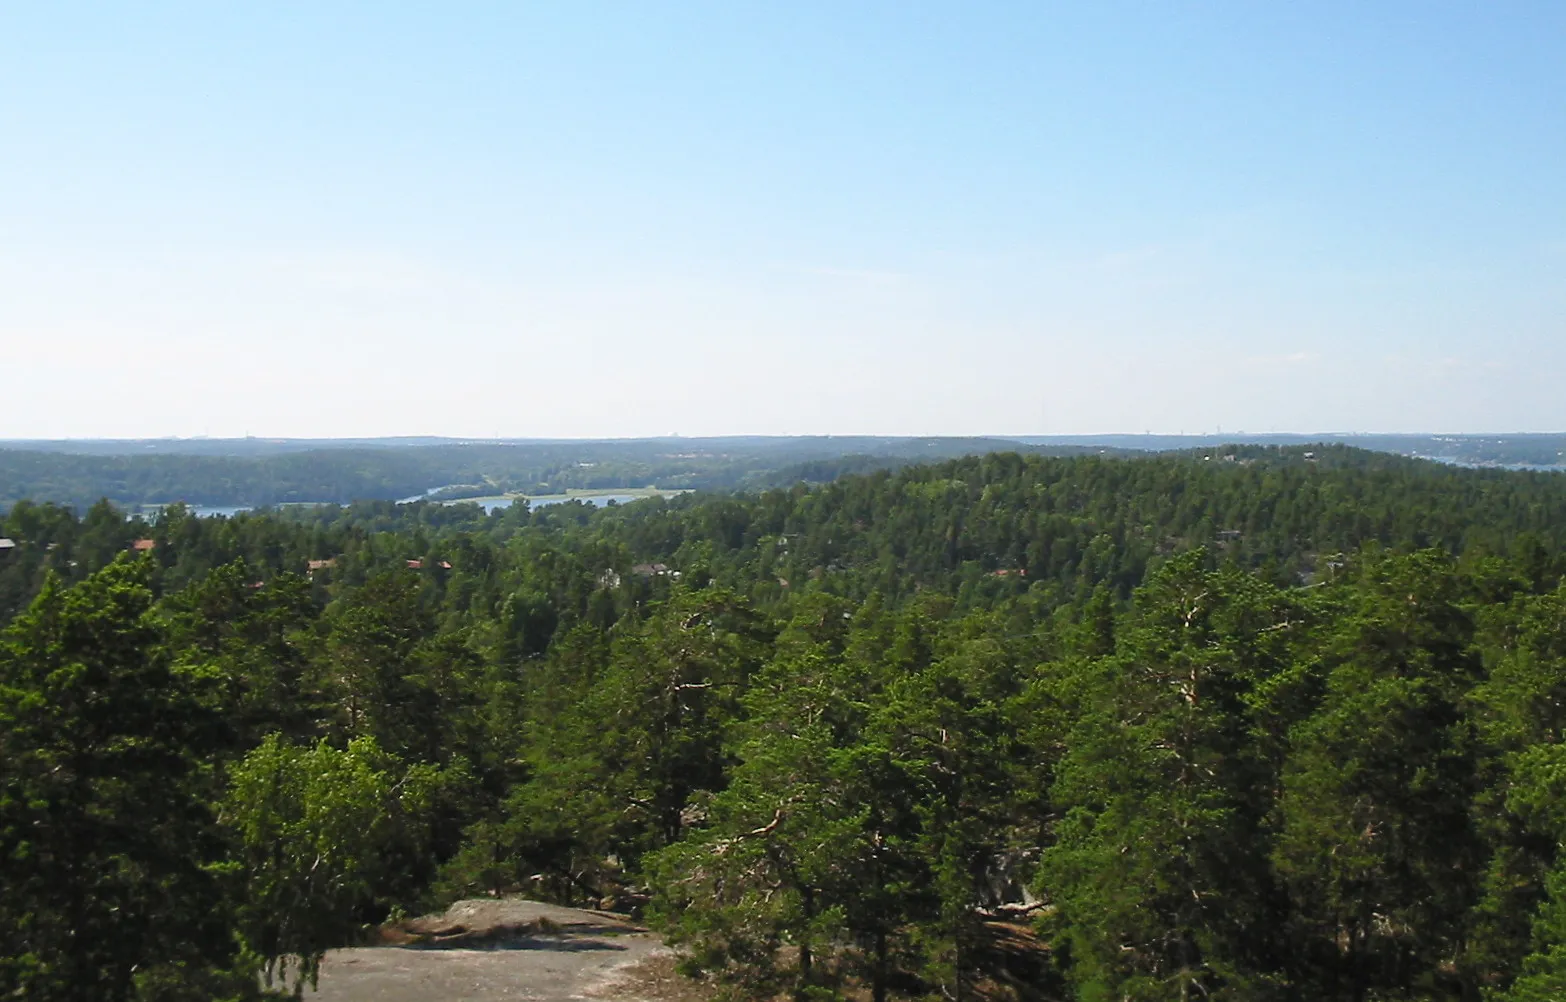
492, 950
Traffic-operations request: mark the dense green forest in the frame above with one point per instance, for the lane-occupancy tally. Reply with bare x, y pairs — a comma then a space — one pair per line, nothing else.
1243, 723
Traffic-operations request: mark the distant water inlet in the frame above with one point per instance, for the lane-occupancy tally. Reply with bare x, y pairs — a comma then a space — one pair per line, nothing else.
597, 498
489, 504
154, 511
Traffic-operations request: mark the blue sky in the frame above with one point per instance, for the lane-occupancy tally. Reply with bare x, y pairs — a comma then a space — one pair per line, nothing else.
594, 219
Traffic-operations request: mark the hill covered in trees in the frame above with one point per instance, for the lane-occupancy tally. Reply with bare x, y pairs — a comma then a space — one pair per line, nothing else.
1238, 723
261, 472
256, 473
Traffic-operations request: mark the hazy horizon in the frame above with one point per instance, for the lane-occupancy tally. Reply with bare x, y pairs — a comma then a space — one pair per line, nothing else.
595, 222
1085, 437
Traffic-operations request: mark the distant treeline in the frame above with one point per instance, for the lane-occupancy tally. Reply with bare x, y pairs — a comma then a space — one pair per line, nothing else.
1535, 449
273, 476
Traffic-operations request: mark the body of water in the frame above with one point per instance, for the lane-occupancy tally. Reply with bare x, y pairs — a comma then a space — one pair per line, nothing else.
597, 500
1470, 464
152, 511
493, 502
227, 511
489, 504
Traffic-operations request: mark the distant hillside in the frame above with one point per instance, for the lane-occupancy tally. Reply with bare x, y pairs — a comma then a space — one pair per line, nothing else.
1507, 450
257, 472
273, 473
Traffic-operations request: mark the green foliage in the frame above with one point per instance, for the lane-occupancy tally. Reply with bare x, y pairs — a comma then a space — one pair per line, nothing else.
1377, 843
319, 831
779, 855
1538, 799
1271, 729
110, 862
1159, 875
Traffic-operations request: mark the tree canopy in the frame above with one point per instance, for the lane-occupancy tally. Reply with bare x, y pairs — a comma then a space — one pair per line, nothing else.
1261, 727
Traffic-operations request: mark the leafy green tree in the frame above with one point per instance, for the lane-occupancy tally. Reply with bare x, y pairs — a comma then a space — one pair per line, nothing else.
371, 655
776, 857
251, 642
1159, 873
319, 831
948, 735
1519, 705
110, 864
1377, 846
1539, 799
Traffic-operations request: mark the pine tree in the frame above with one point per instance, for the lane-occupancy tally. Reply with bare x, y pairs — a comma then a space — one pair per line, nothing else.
109, 854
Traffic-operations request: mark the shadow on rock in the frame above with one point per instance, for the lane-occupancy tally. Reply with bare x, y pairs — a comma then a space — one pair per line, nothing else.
537, 934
